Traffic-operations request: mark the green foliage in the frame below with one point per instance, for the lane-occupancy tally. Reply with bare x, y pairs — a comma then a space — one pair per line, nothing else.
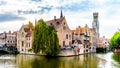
45, 39
39, 36
53, 47
29, 50
115, 40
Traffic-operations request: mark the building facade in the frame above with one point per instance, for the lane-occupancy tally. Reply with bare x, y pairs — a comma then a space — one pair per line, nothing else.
63, 31
24, 39
82, 34
9, 39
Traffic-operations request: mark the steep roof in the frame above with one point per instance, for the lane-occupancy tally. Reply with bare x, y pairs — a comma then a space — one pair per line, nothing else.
82, 30
24, 26
26, 29
55, 22
29, 34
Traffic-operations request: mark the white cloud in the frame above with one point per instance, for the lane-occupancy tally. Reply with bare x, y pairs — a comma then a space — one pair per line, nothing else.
108, 13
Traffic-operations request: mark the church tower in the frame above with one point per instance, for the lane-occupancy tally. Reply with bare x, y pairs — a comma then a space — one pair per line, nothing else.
61, 15
95, 23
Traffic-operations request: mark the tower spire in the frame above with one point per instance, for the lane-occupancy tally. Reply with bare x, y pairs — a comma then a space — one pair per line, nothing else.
61, 15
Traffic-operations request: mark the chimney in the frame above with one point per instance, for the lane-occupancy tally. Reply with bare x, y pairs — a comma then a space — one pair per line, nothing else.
55, 18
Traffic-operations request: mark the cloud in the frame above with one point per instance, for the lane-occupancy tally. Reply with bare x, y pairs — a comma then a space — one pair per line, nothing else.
3, 2
41, 10
36, 0
77, 12
10, 17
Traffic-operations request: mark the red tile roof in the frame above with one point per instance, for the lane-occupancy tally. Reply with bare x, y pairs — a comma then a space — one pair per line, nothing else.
29, 34
82, 30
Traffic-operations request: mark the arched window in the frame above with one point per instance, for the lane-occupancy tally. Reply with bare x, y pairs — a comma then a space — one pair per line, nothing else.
66, 36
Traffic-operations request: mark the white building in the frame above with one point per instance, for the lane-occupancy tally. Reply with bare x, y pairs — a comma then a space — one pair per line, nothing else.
24, 39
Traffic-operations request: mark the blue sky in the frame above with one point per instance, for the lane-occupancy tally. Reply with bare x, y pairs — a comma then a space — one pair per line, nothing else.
15, 13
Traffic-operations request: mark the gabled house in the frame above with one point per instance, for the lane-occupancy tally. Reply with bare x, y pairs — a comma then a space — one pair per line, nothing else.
63, 31
78, 46
10, 39
103, 42
82, 34
24, 39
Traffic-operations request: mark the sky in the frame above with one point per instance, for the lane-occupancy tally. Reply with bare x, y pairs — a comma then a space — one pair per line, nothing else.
15, 13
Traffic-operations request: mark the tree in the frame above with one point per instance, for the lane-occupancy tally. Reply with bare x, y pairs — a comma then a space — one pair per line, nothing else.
45, 39
53, 47
30, 24
115, 40
39, 37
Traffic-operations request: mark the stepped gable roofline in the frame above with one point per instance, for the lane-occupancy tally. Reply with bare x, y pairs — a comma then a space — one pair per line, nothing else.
55, 22
82, 30
74, 31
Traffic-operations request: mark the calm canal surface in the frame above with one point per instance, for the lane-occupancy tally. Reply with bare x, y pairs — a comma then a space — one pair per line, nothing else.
108, 60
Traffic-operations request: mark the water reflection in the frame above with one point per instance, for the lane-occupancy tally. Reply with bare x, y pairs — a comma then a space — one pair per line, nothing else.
7, 61
82, 61
116, 58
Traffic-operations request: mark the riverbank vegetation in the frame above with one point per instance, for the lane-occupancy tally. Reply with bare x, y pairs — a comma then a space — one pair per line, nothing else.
101, 50
115, 41
45, 39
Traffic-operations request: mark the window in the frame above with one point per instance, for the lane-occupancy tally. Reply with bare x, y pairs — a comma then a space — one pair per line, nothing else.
69, 36
22, 34
70, 43
57, 23
29, 44
64, 23
22, 43
63, 43
66, 36
64, 27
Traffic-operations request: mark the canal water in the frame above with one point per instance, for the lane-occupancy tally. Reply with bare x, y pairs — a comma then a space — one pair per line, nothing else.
108, 60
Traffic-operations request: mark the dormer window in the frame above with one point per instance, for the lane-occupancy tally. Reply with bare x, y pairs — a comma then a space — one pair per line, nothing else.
64, 23
57, 23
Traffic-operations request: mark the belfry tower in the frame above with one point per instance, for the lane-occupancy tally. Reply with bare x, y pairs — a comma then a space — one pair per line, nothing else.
95, 23
61, 14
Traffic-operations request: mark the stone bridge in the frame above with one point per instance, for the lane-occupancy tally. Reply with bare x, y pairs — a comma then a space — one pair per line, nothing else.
5, 51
